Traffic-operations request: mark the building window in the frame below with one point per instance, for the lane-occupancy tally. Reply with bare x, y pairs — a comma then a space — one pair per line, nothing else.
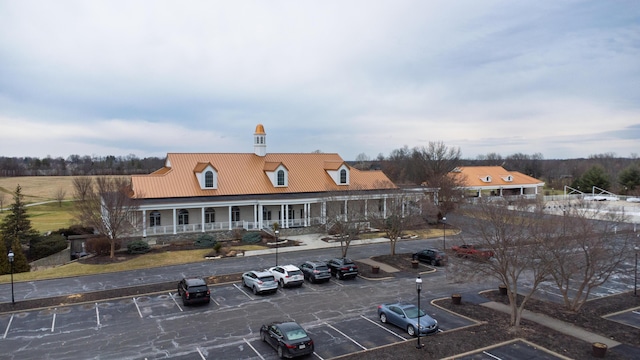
343, 176
183, 217
280, 177
154, 218
208, 179
291, 213
301, 213
235, 213
209, 215
266, 214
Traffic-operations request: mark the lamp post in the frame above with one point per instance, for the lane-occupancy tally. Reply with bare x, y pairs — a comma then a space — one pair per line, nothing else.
277, 232
444, 233
418, 289
13, 301
635, 277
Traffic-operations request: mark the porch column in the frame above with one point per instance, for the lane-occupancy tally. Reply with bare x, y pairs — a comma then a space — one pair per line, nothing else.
260, 218
281, 216
144, 223
384, 208
306, 214
346, 216
365, 209
175, 221
323, 212
255, 215
521, 190
202, 217
230, 222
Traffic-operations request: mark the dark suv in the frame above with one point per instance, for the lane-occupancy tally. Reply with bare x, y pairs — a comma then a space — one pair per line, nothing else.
315, 271
434, 257
194, 290
343, 268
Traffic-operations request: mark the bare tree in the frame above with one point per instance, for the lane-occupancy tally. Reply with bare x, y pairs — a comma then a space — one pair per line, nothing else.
586, 250
106, 206
346, 217
510, 231
401, 212
59, 195
82, 186
2, 197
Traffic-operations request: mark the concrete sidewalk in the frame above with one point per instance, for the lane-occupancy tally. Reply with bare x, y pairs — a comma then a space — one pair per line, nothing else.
556, 325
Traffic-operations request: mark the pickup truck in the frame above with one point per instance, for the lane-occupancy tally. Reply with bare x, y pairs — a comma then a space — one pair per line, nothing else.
469, 250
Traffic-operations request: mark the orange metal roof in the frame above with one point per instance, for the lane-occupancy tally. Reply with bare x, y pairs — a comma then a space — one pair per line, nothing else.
244, 174
473, 176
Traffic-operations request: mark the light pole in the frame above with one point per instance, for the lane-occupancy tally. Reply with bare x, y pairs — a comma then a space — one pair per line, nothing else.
418, 289
13, 301
277, 232
635, 277
444, 234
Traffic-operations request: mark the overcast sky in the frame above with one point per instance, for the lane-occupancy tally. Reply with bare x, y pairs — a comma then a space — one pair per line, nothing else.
560, 78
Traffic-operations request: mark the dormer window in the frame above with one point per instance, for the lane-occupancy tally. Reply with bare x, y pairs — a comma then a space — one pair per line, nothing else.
343, 176
507, 178
486, 179
338, 171
207, 176
280, 176
208, 179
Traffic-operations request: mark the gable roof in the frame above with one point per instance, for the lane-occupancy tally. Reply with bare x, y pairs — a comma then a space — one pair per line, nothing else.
244, 174
472, 177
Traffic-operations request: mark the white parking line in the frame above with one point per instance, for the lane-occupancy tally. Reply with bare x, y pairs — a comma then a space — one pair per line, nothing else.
137, 307
347, 336
53, 322
214, 300
252, 348
97, 315
242, 290
491, 355
384, 328
8, 326
336, 282
636, 312
201, 355
174, 300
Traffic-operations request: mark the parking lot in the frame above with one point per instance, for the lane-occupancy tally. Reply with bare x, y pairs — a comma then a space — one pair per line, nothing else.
517, 349
159, 326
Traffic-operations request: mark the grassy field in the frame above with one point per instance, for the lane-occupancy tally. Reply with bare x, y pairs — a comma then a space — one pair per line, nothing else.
51, 215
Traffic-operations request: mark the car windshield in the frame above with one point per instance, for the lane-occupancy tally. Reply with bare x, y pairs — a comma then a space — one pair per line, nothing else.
296, 334
348, 261
412, 312
267, 278
295, 272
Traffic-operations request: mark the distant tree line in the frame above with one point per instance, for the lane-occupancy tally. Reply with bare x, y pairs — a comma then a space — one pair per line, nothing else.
76, 165
404, 166
410, 166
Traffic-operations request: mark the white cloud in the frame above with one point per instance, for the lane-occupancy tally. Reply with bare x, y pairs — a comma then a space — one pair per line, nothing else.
346, 77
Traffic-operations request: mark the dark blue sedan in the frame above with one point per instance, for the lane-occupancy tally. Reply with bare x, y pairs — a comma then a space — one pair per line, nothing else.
405, 316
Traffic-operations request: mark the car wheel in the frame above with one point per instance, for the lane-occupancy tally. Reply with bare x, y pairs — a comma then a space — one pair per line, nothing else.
433, 262
411, 331
280, 352
243, 283
383, 318
282, 283
264, 336
339, 275
255, 291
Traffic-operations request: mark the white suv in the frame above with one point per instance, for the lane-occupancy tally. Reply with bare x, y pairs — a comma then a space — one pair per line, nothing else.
287, 275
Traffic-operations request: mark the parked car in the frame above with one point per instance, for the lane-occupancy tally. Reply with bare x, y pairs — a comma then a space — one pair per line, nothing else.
260, 281
343, 268
405, 316
315, 271
194, 290
470, 250
288, 338
434, 257
287, 275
